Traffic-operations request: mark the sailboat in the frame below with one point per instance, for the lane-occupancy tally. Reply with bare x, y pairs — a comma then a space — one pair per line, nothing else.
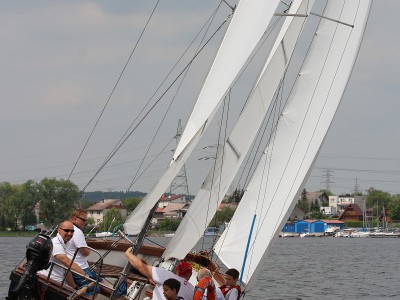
297, 133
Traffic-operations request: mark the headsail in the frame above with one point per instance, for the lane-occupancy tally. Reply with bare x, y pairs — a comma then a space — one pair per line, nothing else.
237, 145
287, 160
248, 24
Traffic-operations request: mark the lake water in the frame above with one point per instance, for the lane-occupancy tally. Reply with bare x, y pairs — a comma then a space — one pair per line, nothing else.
297, 268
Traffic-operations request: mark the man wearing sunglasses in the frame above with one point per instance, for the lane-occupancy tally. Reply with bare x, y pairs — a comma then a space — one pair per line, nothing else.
65, 232
79, 219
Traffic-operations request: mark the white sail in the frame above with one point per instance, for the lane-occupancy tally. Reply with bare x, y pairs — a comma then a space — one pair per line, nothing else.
237, 145
248, 24
286, 163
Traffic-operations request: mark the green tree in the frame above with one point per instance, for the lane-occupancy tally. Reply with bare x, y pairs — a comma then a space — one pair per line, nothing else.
315, 207
10, 207
6, 191
112, 218
28, 196
57, 199
317, 215
131, 203
17, 203
327, 192
223, 215
377, 198
237, 195
395, 208
169, 224
303, 202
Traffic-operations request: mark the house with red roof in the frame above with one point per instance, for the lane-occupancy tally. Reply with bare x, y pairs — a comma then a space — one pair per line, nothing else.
171, 211
166, 200
352, 212
100, 208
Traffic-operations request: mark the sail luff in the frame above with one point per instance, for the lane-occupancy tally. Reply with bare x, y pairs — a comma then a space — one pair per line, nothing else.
238, 144
287, 160
248, 24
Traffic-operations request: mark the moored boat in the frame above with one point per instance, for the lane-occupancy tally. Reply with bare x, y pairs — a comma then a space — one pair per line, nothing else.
104, 234
168, 235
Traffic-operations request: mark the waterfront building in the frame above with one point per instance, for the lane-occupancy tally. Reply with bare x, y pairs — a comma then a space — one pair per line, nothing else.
312, 226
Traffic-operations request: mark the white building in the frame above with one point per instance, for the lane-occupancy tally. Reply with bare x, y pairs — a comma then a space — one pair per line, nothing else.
99, 209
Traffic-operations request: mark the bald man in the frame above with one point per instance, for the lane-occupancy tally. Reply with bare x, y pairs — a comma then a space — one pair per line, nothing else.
65, 231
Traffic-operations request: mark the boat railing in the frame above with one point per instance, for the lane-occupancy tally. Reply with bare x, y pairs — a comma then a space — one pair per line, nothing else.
92, 281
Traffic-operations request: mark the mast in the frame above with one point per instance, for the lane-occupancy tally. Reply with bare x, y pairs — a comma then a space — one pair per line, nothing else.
135, 251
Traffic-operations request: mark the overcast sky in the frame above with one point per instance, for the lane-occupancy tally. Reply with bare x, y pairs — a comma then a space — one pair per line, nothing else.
61, 59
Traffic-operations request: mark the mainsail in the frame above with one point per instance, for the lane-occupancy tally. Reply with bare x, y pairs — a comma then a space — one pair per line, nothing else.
288, 158
237, 145
248, 24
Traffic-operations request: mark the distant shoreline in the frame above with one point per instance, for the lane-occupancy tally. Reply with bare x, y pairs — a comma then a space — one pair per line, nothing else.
18, 233
5, 233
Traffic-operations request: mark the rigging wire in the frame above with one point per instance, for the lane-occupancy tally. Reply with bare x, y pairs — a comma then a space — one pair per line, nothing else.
270, 29
163, 81
209, 21
136, 178
225, 115
113, 152
266, 35
113, 90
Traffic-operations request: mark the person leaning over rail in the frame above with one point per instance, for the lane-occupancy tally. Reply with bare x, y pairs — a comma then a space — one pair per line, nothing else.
65, 232
79, 219
231, 289
183, 272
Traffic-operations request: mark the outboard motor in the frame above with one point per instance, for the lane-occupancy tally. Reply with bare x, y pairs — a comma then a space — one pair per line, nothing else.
38, 254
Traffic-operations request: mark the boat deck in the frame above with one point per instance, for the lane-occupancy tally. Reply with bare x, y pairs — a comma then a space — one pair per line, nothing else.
107, 271
111, 272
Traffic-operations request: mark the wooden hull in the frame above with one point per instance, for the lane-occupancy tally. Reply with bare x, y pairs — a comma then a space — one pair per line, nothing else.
113, 264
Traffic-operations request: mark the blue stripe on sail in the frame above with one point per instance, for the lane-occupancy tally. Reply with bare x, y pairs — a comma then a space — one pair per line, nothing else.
247, 247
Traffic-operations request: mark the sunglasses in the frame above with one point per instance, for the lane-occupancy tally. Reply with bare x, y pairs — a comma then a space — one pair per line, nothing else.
67, 230
84, 220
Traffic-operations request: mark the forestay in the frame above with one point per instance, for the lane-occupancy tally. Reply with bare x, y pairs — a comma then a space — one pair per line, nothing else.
248, 24
287, 160
237, 145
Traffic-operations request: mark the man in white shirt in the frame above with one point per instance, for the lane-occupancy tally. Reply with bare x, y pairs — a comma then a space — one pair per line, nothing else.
183, 273
65, 232
79, 219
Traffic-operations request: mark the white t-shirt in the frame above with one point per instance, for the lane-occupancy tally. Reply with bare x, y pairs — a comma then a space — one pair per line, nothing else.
58, 248
78, 241
159, 275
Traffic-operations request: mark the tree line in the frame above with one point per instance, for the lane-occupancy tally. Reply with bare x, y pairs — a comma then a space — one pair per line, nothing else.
57, 198
17, 202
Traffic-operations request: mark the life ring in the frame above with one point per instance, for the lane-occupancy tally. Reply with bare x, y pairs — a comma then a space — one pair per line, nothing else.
206, 283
